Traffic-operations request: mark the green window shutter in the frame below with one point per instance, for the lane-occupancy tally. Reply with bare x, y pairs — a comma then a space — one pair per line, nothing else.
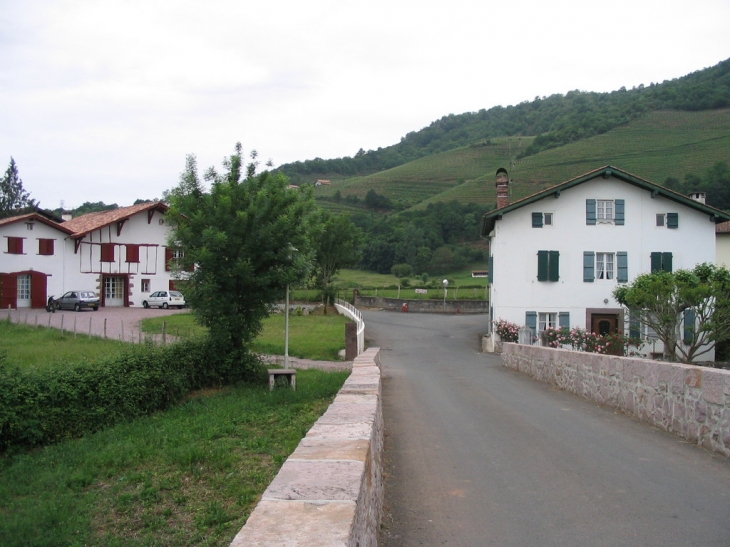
634, 327
537, 220
667, 262
542, 265
589, 261
531, 321
590, 211
673, 220
564, 319
619, 212
622, 260
689, 325
490, 265
554, 266
656, 262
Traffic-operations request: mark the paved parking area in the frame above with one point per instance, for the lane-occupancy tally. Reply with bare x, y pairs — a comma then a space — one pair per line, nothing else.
115, 323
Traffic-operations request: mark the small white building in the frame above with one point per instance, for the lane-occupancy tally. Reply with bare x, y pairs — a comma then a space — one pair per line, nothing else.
121, 254
555, 257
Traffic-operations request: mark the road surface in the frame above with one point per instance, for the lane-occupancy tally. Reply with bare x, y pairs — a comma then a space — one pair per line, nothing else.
478, 455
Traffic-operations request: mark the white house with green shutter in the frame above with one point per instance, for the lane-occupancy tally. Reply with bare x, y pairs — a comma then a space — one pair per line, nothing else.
556, 256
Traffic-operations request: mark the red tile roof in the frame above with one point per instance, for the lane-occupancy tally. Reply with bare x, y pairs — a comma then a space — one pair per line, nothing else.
84, 224
722, 228
37, 218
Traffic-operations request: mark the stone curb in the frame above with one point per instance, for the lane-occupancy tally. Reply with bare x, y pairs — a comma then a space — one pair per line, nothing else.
329, 492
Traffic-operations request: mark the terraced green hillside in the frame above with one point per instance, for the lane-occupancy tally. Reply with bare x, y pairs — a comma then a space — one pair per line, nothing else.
659, 145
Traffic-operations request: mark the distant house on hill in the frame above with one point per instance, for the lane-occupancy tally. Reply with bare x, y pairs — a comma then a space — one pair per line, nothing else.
320, 182
122, 254
556, 256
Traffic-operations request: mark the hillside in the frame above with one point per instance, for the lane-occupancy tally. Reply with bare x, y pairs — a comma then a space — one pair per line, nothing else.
555, 121
657, 146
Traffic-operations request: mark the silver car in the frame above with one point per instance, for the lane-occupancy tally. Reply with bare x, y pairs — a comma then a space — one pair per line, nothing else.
78, 300
165, 299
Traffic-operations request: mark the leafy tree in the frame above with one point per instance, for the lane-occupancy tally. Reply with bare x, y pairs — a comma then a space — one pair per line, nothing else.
337, 244
662, 300
239, 236
12, 194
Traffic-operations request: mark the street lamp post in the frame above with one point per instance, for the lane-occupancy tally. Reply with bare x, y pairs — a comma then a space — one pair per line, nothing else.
291, 250
446, 284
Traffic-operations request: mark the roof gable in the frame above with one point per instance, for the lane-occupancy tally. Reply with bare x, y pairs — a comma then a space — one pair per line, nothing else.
489, 219
35, 217
85, 224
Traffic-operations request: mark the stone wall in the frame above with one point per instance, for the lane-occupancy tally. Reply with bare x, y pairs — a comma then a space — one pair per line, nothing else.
688, 400
329, 492
423, 305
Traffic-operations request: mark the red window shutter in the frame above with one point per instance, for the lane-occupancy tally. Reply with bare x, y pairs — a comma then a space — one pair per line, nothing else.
132, 253
168, 259
15, 245
107, 252
171, 285
46, 246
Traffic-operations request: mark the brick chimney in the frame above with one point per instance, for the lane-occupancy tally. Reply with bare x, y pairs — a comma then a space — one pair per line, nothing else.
502, 188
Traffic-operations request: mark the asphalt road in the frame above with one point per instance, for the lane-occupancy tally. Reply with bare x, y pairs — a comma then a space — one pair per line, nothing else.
478, 455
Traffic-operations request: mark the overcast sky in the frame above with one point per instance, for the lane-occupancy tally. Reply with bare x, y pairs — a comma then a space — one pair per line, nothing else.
101, 100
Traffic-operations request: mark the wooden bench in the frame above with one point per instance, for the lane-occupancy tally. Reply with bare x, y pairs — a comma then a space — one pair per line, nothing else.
288, 373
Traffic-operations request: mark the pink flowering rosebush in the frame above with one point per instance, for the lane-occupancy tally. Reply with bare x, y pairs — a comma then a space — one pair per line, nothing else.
507, 331
581, 340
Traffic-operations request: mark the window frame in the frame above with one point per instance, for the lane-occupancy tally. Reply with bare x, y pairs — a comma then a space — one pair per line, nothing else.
107, 252
15, 245
46, 246
603, 260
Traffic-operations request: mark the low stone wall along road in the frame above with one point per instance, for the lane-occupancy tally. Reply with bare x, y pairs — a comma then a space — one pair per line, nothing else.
477, 454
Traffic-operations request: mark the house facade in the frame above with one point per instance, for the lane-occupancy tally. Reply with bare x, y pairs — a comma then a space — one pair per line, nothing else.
121, 254
722, 244
556, 256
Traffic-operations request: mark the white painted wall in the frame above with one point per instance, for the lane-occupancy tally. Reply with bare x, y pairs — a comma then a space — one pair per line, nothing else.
30, 259
722, 250
514, 245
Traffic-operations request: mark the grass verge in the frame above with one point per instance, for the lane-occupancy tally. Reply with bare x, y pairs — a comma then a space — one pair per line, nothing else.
318, 337
189, 476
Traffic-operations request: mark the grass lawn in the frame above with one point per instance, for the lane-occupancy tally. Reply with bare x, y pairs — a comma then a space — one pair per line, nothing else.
44, 347
318, 337
189, 476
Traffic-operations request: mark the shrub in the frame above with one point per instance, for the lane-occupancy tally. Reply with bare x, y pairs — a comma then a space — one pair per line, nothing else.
402, 270
41, 406
507, 331
581, 340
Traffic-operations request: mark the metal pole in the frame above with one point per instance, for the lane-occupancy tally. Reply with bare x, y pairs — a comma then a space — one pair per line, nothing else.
286, 329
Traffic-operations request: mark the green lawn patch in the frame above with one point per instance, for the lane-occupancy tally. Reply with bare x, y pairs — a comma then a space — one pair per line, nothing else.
318, 337
188, 476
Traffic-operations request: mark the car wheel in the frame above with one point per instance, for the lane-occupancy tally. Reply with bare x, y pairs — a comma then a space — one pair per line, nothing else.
77, 307
164, 305
145, 304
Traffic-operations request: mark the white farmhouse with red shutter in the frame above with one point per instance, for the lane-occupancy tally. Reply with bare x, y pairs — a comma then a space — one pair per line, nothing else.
121, 254
557, 255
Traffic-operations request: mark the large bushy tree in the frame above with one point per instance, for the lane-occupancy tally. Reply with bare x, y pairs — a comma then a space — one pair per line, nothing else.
238, 237
12, 194
663, 300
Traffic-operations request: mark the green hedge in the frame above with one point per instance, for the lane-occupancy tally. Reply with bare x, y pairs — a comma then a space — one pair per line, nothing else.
39, 407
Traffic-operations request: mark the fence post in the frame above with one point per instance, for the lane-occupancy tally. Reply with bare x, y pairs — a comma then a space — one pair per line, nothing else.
139, 325
105, 327
74, 327
122, 323
62, 316
164, 332
89, 326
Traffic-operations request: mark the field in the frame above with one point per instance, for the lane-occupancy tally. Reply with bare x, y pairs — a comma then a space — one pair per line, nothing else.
659, 145
189, 476
370, 280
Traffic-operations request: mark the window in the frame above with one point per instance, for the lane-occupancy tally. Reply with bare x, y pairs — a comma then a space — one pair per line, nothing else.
605, 211
28, 225
45, 247
145, 285
548, 265
605, 266
542, 219
132, 253
670, 220
661, 262
15, 245
546, 320
107, 252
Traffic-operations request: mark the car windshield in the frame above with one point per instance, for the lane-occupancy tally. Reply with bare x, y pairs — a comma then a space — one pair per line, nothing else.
175, 293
